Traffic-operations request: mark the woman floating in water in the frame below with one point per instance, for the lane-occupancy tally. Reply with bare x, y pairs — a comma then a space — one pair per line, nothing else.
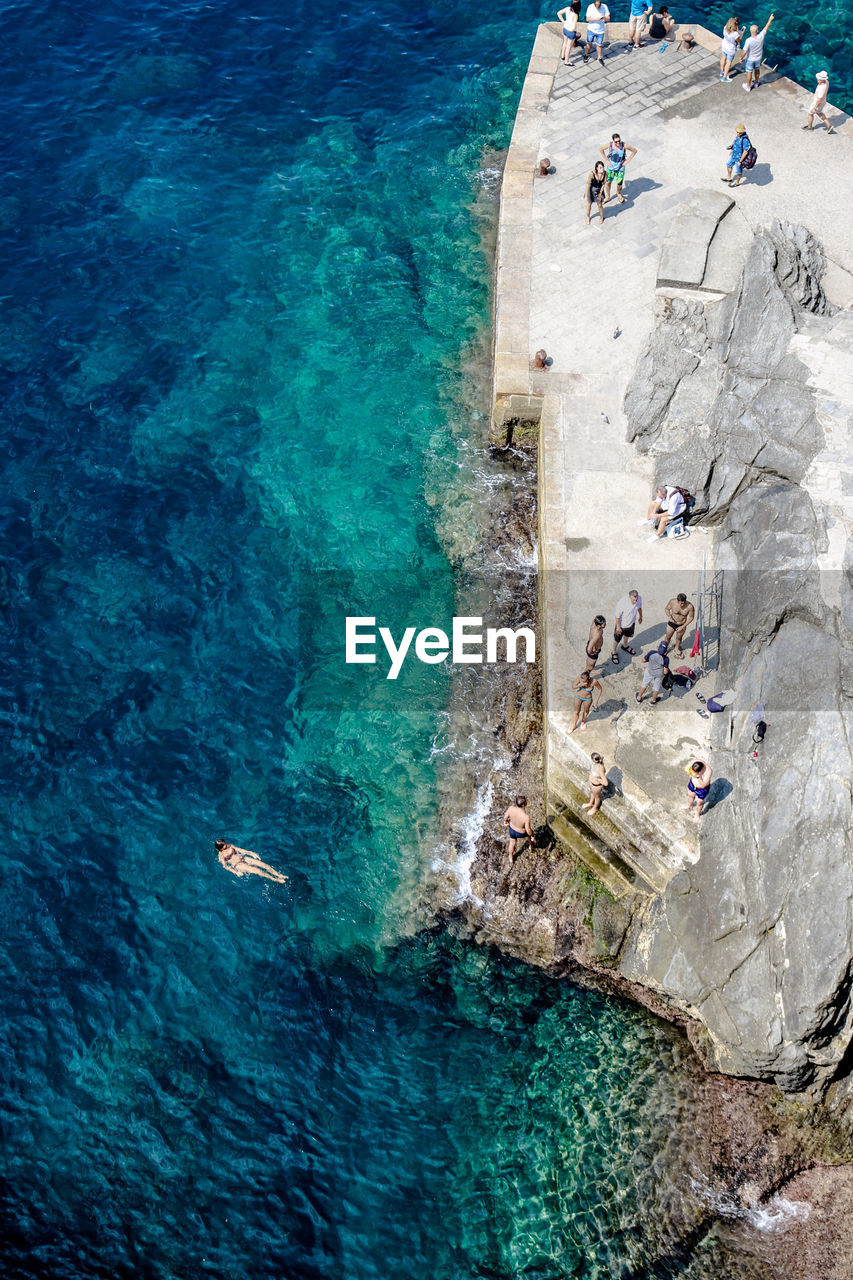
244, 863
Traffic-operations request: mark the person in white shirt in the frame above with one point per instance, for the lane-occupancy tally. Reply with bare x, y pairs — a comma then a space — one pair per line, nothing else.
629, 611
818, 107
753, 52
667, 504
597, 16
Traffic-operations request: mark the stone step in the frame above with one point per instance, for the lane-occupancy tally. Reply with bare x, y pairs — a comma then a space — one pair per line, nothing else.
684, 252
727, 253
619, 879
625, 832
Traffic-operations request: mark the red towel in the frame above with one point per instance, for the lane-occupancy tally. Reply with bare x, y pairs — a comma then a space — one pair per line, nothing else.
694, 651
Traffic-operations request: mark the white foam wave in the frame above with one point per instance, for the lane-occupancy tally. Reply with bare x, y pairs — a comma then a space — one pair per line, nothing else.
778, 1214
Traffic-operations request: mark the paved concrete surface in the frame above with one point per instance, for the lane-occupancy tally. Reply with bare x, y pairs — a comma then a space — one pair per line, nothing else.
587, 294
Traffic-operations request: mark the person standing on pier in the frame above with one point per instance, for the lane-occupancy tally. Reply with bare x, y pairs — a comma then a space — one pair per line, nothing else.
818, 107
739, 148
584, 687
597, 17
616, 155
753, 52
679, 614
732, 36
595, 642
629, 611
569, 18
698, 786
640, 13
596, 184
598, 781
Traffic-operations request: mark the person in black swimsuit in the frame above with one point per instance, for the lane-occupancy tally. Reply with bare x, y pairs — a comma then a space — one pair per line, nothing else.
595, 642
595, 185
661, 24
242, 862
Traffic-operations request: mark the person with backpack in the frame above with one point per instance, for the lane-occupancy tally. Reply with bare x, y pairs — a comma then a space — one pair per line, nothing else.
742, 155
668, 504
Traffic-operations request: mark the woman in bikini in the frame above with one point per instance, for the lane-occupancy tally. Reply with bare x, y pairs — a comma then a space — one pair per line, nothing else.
594, 194
598, 780
242, 862
698, 786
584, 687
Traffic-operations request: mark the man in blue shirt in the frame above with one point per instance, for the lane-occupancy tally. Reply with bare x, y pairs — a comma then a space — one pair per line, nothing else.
640, 12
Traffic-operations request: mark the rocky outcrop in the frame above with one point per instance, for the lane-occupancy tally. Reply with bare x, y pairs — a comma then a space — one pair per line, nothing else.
756, 939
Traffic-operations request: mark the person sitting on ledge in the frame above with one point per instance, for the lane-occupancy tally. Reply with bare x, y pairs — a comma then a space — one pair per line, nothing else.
667, 504
242, 862
662, 24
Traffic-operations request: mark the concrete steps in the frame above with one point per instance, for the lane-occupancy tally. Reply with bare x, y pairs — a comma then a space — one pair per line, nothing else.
617, 877
635, 849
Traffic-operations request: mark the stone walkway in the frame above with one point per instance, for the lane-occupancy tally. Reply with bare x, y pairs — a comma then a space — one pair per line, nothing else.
587, 294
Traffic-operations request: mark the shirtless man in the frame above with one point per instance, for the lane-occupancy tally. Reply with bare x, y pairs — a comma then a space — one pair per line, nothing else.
698, 786
679, 614
242, 862
595, 643
517, 822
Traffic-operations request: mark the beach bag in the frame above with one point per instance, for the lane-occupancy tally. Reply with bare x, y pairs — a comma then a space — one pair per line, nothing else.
667, 681
684, 677
748, 162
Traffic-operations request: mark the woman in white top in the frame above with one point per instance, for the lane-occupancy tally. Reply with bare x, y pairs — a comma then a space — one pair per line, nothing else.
818, 107
569, 18
732, 36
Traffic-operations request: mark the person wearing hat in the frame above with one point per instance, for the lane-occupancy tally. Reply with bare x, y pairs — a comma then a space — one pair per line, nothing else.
818, 107
739, 148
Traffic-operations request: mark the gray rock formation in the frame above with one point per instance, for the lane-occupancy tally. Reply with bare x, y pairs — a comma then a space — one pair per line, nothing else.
756, 938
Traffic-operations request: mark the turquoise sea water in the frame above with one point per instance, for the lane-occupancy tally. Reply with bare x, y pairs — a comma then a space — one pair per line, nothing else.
245, 327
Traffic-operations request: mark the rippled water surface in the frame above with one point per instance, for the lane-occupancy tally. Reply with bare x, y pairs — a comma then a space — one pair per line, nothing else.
245, 310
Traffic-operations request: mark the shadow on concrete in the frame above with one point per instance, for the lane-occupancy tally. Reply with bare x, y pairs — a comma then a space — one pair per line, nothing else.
615, 777
719, 790
611, 707
760, 176
634, 188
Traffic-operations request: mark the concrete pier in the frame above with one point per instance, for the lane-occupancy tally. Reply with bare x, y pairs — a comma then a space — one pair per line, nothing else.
590, 295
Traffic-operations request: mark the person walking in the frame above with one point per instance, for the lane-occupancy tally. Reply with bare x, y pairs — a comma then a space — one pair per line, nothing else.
616, 155
598, 780
732, 36
569, 17
640, 13
629, 611
737, 151
679, 614
753, 52
597, 17
818, 107
595, 642
698, 786
596, 185
584, 687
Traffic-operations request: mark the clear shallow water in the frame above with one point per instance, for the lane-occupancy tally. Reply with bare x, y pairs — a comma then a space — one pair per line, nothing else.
245, 309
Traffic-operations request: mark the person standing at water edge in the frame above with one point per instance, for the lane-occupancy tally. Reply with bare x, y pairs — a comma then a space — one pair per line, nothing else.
597, 16
818, 107
517, 823
598, 780
753, 52
569, 18
737, 151
242, 862
698, 786
616, 155
629, 611
640, 12
732, 36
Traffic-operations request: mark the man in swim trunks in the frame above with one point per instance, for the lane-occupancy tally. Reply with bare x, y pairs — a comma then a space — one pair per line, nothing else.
616, 155
595, 643
698, 786
679, 614
629, 611
517, 823
242, 862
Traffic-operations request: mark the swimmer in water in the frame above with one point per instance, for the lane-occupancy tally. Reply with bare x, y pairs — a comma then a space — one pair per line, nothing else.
242, 862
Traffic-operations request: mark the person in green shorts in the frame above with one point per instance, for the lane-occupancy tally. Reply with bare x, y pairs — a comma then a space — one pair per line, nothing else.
616, 155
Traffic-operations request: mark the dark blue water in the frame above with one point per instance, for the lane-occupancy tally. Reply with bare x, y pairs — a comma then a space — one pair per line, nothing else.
245, 310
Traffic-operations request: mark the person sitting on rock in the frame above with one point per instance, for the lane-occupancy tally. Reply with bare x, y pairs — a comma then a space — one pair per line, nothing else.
517, 823
667, 504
